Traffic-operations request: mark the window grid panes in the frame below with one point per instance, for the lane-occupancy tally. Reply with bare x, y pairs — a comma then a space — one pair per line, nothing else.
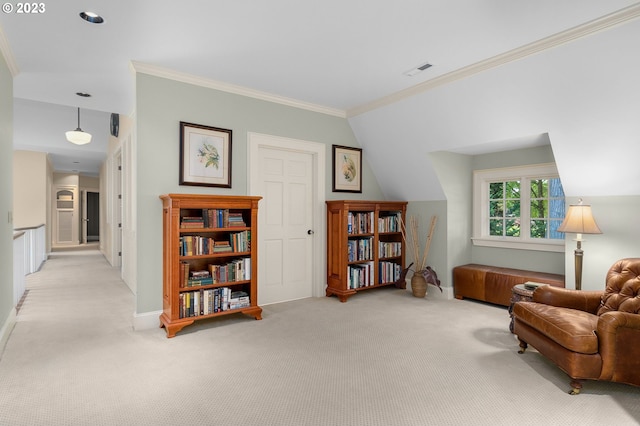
504, 208
547, 208
519, 208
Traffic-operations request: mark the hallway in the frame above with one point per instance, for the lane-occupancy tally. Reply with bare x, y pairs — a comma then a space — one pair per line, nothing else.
75, 308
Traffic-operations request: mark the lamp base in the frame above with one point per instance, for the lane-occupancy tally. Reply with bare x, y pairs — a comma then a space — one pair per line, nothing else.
578, 266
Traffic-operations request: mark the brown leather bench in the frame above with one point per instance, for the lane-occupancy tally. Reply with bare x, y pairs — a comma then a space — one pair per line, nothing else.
493, 284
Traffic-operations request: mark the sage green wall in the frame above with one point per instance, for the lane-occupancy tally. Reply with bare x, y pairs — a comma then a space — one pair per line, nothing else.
454, 174
522, 259
6, 193
437, 256
161, 105
618, 219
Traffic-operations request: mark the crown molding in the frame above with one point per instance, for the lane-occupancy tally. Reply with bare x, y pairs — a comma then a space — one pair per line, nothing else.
156, 71
7, 53
580, 31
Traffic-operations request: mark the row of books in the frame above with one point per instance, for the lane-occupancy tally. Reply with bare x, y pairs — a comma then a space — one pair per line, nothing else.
389, 249
389, 272
236, 270
360, 275
389, 223
211, 301
360, 249
191, 222
214, 218
193, 278
193, 245
240, 241
360, 223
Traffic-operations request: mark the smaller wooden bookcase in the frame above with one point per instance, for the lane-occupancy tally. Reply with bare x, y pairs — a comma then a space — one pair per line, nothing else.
365, 248
210, 258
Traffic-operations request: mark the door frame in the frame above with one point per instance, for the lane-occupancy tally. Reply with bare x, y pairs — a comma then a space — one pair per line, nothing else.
83, 216
116, 213
84, 213
317, 150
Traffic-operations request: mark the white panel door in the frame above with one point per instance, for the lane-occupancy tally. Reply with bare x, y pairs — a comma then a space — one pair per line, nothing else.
286, 246
65, 226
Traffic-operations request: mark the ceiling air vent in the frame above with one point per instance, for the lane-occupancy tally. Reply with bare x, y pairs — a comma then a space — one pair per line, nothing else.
417, 70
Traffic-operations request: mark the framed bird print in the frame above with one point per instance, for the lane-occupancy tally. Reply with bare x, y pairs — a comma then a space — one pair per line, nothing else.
205, 155
347, 169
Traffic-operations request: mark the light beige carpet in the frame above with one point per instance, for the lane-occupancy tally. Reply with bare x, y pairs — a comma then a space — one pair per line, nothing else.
382, 358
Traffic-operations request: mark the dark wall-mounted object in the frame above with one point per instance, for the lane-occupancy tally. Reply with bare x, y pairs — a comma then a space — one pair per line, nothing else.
114, 125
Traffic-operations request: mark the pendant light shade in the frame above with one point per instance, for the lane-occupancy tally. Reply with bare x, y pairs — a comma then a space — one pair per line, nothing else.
77, 136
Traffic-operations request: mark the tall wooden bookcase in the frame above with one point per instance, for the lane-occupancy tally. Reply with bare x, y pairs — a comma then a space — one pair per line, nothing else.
365, 248
210, 258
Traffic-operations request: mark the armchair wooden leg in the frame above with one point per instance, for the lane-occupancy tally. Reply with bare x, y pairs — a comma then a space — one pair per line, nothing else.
576, 386
523, 346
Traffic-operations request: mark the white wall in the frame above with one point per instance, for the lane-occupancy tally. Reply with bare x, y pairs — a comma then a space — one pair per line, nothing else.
30, 200
118, 232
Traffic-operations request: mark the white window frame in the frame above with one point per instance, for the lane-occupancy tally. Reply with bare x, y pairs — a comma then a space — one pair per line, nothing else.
481, 181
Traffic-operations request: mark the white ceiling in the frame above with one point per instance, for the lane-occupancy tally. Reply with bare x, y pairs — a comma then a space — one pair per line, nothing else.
340, 54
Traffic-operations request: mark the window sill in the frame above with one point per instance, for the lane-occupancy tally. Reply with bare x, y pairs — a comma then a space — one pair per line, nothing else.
555, 246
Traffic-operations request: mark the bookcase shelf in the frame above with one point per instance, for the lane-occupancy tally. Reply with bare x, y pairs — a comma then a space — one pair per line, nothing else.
209, 268
365, 248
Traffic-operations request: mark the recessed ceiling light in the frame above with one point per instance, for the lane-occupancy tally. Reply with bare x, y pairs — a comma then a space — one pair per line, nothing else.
84, 95
94, 18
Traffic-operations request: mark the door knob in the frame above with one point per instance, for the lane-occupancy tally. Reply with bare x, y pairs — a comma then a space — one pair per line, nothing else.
310, 232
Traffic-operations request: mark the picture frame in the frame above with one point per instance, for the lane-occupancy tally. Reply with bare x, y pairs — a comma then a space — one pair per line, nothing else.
205, 155
347, 169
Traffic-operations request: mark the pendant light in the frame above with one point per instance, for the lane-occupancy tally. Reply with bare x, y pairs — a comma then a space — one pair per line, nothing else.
77, 136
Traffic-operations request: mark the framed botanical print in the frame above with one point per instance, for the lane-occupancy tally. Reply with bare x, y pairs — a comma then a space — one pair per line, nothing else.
205, 155
347, 169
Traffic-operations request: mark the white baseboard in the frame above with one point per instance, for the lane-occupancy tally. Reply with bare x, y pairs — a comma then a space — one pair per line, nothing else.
6, 330
447, 292
146, 321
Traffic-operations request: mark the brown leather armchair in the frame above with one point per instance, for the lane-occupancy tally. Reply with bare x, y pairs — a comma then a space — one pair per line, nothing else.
588, 334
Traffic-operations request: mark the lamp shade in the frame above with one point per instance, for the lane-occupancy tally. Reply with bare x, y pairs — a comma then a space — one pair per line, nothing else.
78, 137
579, 220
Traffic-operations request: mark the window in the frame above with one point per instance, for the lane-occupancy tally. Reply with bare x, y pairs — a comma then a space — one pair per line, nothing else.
519, 207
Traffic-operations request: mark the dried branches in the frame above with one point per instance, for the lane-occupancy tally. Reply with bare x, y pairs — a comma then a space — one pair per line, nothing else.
414, 241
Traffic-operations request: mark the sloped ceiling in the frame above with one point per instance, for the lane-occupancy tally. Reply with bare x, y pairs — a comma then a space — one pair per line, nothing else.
583, 94
348, 58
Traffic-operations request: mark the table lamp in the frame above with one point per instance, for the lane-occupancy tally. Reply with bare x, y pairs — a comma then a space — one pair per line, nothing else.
579, 220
